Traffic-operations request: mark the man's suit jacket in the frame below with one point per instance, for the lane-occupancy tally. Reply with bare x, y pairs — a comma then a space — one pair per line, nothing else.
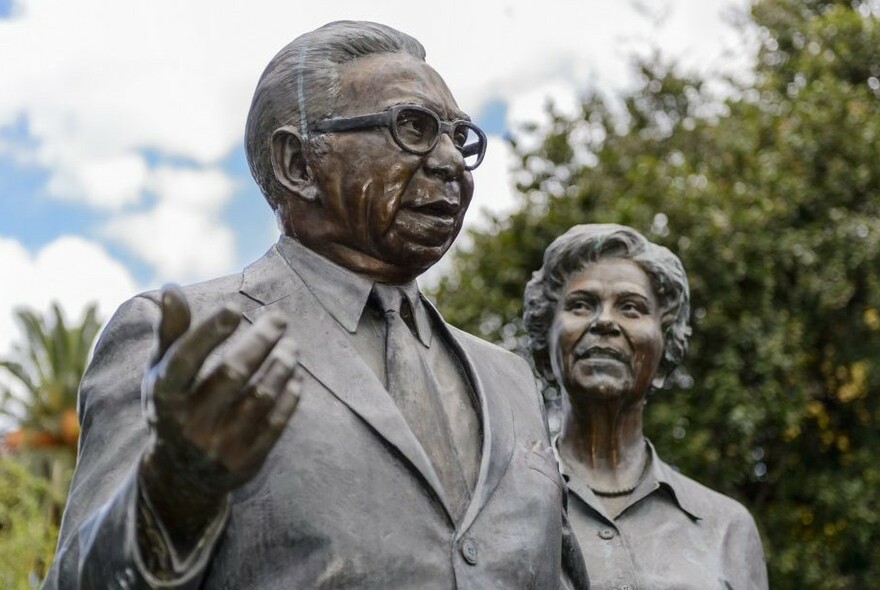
347, 498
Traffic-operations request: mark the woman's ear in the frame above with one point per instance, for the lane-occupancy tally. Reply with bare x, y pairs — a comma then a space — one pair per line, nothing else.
290, 164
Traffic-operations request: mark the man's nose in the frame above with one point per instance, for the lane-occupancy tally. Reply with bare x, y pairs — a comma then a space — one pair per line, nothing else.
445, 160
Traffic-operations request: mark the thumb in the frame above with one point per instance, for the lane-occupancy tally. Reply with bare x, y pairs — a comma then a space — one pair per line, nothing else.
174, 319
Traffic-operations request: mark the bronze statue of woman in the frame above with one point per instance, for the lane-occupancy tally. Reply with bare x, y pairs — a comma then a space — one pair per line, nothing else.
608, 317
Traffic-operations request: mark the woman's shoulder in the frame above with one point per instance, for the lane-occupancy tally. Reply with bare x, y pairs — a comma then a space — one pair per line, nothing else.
705, 502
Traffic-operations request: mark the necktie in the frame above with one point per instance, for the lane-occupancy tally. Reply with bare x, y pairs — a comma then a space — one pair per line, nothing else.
411, 385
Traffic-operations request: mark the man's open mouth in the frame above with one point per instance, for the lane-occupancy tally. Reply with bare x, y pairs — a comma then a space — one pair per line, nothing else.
437, 209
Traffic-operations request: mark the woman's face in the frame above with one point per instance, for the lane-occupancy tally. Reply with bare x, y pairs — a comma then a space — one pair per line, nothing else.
606, 340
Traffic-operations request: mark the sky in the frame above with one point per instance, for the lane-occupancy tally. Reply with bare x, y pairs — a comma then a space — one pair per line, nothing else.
121, 159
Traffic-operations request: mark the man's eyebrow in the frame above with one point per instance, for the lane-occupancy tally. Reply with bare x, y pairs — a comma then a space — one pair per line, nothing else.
456, 116
438, 108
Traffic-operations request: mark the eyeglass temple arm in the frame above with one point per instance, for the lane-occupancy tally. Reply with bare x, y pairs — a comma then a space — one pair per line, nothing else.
472, 149
352, 123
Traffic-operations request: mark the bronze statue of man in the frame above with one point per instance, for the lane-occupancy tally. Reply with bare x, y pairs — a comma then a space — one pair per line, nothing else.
312, 422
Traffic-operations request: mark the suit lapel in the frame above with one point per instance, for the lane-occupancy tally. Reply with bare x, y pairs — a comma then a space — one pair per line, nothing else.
496, 417
334, 362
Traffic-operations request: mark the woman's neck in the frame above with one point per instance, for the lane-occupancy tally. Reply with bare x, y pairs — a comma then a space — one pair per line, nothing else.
603, 443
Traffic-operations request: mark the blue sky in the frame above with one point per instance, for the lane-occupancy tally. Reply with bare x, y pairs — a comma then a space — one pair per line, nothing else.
121, 164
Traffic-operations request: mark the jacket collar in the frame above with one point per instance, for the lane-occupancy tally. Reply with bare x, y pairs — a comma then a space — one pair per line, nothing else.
271, 285
343, 293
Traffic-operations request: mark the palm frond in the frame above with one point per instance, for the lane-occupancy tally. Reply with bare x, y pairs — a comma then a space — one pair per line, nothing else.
48, 365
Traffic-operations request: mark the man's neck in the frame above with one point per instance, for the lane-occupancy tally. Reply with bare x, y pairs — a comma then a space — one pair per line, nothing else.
361, 263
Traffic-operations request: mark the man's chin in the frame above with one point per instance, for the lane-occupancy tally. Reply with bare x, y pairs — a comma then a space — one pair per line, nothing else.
420, 257
411, 258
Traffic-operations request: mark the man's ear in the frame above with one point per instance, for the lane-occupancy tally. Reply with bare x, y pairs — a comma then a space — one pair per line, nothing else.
290, 165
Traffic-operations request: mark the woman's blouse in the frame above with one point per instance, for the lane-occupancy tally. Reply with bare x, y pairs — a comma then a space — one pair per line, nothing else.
672, 533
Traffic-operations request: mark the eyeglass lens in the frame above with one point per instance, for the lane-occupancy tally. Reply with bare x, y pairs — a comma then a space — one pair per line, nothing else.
470, 143
418, 130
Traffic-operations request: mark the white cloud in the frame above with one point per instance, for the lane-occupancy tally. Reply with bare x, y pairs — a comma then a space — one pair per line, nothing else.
205, 189
182, 235
702, 36
182, 244
105, 183
98, 80
530, 106
71, 270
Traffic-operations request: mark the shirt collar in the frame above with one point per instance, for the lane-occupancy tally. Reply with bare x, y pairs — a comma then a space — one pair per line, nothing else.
664, 474
659, 474
343, 293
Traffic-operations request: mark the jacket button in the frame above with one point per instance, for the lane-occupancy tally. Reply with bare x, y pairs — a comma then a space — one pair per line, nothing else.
626, 587
606, 534
469, 551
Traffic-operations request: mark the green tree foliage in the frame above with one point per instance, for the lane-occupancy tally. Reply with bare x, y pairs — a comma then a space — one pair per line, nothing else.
37, 457
772, 200
28, 528
47, 369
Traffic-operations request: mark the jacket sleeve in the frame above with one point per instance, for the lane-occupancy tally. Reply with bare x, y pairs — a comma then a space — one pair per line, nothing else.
97, 546
574, 568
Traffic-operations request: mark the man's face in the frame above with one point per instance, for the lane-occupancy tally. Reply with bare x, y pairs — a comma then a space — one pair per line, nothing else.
606, 341
383, 211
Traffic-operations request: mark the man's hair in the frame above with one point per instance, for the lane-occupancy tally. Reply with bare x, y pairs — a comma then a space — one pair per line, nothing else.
301, 85
583, 244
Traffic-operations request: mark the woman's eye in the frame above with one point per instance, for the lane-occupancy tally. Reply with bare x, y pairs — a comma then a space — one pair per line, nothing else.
632, 308
579, 305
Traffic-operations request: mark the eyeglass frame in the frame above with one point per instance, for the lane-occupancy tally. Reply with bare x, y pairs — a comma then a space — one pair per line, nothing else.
387, 119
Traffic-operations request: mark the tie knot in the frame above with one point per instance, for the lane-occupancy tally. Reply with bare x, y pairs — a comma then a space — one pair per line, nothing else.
388, 297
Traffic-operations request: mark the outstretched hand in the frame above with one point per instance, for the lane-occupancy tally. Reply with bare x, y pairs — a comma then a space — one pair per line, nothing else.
212, 431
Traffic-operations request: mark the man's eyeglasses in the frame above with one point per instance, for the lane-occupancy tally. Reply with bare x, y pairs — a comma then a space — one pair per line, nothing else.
416, 130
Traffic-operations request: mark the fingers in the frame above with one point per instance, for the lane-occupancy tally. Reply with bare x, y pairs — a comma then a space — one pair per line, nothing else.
267, 426
268, 389
279, 416
273, 374
224, 385
187, 355
173, 321
245, 356
235, 414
